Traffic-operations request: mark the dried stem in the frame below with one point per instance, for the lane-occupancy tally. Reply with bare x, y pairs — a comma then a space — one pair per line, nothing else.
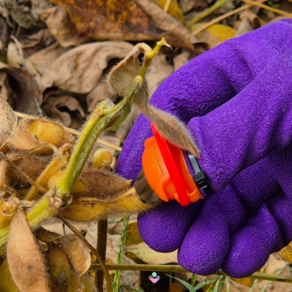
207, 12
206, 25
281, 12
179, 269
101, 250
166, 6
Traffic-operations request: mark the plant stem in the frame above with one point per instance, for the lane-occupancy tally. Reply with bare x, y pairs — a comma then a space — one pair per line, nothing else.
281, 12
177, 268
101, 250
207, 12
121, 251
206, 25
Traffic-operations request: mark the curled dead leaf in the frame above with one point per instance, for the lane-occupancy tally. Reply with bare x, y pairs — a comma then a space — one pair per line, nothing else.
24, 258
22, 90
52, 105
80, 69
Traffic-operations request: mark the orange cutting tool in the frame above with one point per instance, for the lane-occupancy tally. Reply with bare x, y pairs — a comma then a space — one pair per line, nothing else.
167, 173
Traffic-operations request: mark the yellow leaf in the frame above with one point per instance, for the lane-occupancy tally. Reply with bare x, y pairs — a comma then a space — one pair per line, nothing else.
149, 256
173, 9
286, 253
215, 34
133, 234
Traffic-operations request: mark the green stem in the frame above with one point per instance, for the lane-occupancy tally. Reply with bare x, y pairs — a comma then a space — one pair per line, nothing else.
177, 268
121, 251
207, 12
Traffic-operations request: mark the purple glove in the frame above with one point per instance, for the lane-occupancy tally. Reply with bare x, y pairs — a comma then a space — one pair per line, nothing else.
236, 100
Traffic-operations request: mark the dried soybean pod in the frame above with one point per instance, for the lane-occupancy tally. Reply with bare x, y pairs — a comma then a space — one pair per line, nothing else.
48, 131
64, 277
8, 122
86, 209
78, 189
24, 258
6, 282
88, 283
77, 253
103, 184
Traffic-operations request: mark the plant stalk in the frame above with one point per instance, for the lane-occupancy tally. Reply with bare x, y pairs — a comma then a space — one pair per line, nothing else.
101, 250
177, 268
207, 12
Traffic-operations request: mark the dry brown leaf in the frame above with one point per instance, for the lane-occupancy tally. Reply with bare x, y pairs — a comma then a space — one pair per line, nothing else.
243, 28
8, 121
22, 90
43, 59
53, 103
80, 69
115, 19
64, 277
198, 5
4, 33
164, 21
41, 38
21, 14
77, 253
254, 19
101, 92
24, 258
181, 59
16, 59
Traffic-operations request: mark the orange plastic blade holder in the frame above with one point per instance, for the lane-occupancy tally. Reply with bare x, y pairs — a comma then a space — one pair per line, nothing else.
167, 172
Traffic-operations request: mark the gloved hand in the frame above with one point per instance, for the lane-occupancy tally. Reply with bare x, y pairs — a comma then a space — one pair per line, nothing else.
236, 100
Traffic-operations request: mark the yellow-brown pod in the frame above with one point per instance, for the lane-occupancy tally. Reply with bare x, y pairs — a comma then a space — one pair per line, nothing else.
48, 131
78, 189
63, 276
24, 258
104, 184
86, 209
6, 282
